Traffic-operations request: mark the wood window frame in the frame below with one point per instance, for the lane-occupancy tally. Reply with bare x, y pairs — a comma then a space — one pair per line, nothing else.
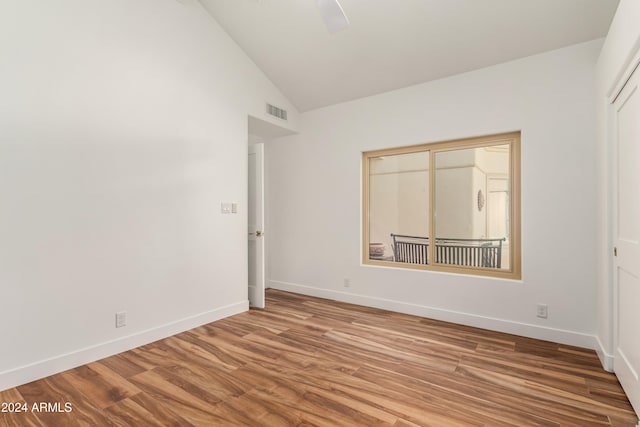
513, 139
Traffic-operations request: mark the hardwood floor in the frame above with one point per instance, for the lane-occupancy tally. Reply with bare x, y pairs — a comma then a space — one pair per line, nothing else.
308, 361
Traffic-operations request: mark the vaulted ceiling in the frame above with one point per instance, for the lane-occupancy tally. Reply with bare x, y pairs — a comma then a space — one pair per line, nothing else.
397, 43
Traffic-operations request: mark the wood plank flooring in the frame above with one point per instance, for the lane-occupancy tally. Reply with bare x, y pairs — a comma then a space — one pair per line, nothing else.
305, 361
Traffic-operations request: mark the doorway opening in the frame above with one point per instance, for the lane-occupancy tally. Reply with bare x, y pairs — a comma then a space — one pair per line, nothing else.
260, 132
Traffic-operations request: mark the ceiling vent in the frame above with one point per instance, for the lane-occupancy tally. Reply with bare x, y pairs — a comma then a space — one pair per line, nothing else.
274, 111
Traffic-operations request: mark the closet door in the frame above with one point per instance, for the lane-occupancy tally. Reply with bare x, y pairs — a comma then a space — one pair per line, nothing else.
627, 238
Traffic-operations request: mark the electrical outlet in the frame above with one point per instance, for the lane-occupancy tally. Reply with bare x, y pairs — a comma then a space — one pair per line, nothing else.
542, 311
121, 319
347, 282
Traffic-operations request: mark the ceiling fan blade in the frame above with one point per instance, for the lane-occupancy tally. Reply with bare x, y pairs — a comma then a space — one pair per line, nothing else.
333, 15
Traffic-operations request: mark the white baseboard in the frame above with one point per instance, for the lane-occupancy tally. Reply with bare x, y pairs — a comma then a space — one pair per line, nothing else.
501, 325
24, 374
605, 358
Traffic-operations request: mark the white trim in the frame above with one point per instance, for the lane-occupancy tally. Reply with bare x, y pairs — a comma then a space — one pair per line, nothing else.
626, 73
605, 358
44, 368
500, 325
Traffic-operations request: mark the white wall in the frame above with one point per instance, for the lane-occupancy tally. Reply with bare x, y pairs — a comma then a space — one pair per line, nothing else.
315, 201
619, 53
123, 126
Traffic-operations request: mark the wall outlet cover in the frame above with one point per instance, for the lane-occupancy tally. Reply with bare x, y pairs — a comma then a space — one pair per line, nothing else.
121, 319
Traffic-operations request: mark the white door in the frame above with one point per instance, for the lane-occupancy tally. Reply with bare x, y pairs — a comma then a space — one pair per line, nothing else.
627, 239
256, 225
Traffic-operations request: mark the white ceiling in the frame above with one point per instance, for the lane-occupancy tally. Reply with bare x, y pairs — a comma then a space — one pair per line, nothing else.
397, 43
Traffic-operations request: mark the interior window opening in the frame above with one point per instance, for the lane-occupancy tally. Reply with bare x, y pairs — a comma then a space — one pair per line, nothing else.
450, 206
